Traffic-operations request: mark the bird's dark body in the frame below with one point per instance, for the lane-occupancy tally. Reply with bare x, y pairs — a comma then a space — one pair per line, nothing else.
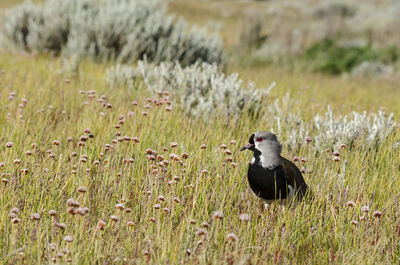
280, 182
269, 184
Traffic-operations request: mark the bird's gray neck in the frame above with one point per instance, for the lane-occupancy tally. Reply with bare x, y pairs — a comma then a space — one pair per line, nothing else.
270, 155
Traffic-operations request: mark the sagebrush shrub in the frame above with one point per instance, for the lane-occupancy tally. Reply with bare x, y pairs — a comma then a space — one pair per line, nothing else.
201, 88
117, 29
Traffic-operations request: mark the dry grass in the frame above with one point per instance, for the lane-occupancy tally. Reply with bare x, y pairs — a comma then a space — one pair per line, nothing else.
310, 233
335, 228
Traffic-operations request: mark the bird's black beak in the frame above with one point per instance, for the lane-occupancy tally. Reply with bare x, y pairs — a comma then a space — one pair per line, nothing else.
247, 146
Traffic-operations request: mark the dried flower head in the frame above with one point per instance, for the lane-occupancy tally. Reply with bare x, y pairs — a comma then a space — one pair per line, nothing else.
365, 209
101, 224
15, 210
82, 189
231, 237
36, 217
350, 204
73, 203
217, 215
53, 213
68, 239
244, 217
377, 214
114, 218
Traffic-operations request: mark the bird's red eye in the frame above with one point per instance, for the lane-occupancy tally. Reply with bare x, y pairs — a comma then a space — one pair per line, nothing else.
259, 139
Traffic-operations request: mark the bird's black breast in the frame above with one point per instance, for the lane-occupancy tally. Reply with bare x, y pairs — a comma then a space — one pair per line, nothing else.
269, 184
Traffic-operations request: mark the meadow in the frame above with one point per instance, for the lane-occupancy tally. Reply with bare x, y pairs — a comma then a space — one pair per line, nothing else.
100, 174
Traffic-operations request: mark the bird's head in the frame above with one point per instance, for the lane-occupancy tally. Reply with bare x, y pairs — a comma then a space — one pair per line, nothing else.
263, 142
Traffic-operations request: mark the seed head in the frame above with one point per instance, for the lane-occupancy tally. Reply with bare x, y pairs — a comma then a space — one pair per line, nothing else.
120, 206
354, 222
201, 232
82, 189
173, 144
101, 224
365, 209
152, 219
71, 210
308, 139
161, 198
205, 225
336, 159
12, 216
203, 146
15, 220
114, 218
36, 217
56, 142
68, 239
296, 158
204, 172
81, 211
350, 204
233, 142
336, 153
73, 203
166, 210
53, 213
130, 223
9, 144
244, 217
231, 237
217, 215
15, 210
377, 214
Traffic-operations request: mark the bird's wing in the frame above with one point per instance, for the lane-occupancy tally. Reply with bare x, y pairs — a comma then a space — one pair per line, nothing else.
294, 176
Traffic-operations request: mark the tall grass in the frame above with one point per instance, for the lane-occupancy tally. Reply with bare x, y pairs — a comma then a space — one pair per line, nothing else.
42, 177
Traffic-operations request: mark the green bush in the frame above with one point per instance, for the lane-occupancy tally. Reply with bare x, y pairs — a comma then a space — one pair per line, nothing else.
328, 56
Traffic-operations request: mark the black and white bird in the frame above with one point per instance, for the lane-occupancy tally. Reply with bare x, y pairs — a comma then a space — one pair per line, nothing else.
271, 176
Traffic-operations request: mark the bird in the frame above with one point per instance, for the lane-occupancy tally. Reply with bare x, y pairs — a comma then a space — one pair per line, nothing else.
271, 176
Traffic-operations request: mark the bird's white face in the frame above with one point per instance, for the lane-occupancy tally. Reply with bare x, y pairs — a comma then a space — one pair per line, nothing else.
269, 147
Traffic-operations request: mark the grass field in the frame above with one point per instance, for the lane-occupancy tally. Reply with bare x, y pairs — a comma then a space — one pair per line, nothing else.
140, 212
